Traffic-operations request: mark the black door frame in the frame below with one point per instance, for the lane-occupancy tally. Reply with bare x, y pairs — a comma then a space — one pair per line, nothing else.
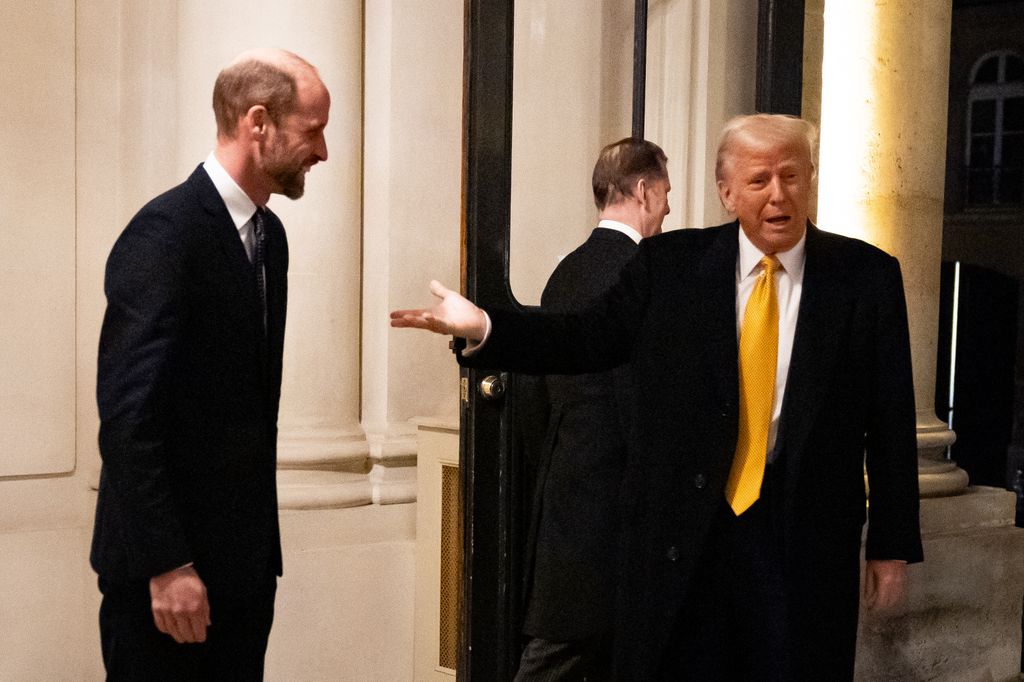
492, 489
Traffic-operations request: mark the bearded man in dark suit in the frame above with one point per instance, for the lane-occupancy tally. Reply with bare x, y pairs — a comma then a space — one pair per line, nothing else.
744, 492
186, 541
574, 524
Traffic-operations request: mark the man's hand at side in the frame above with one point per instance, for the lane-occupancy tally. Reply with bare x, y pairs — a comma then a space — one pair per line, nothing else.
885, 584
180, 605
453, 315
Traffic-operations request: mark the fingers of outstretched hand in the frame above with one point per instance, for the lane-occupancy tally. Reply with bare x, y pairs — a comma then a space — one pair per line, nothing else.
424, 318
416, 319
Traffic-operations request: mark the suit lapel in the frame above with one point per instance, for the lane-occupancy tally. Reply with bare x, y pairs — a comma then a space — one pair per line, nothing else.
226, 234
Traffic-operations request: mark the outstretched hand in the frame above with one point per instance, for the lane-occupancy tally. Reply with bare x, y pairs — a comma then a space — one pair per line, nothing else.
453, 315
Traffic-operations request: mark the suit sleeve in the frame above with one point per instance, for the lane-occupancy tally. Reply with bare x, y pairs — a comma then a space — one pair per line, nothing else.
596, 339
891, 441
144, 285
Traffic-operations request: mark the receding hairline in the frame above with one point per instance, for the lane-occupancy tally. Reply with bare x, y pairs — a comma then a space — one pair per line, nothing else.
752, 129
272, 77
274, 56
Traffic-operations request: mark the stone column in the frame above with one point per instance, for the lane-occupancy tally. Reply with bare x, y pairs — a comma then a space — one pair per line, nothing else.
411, 214
882, 165
322, 451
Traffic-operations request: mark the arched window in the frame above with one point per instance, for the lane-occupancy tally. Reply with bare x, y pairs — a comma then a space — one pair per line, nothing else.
995, 123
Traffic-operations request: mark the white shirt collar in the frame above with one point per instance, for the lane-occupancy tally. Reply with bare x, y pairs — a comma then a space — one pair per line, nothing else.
750, 257
240, 206
623, 228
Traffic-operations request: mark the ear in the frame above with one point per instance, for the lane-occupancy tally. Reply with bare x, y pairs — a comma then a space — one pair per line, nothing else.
725, 196
640, 191
256, 121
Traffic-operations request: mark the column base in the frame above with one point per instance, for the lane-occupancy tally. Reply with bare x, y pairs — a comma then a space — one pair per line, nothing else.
962, 618
936, 475
940, 479
311, 489
322, 449
333, 470
322, 469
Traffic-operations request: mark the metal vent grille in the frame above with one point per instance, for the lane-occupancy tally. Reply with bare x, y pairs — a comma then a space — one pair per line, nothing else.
451, 567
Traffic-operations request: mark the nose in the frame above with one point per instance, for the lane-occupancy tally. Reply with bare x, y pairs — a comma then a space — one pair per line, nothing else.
320, 149
775, 190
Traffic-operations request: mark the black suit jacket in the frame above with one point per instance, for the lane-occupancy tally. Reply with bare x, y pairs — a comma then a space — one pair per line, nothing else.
575, 512
188, 390
849, 394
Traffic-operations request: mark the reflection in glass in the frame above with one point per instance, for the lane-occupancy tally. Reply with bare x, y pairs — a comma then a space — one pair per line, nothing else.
572, 85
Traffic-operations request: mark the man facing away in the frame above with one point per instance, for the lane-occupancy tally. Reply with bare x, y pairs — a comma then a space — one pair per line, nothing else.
771, 363
186, 542
574, 524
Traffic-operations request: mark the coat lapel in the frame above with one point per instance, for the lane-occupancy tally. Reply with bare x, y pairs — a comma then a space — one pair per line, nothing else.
815, 345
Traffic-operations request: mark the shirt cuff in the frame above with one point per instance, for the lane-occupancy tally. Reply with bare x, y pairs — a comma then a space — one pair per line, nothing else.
473, 345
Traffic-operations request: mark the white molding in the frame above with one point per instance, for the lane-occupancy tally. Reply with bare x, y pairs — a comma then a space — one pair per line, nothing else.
297, 489
394, 471
322, 449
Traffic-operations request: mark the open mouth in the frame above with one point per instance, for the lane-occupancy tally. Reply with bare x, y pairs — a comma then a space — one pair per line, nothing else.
778, 220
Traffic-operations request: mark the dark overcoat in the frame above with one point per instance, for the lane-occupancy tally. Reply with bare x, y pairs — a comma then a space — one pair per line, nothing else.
574, 521
849, 402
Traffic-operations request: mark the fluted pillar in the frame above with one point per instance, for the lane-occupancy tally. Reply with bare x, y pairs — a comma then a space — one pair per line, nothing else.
322, 451
411, 213
882, 161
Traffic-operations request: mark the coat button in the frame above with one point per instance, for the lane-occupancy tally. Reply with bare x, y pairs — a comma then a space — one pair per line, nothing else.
672, 554
700, 481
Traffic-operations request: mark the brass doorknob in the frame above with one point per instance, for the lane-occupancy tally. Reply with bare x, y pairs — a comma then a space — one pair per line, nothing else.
492, 387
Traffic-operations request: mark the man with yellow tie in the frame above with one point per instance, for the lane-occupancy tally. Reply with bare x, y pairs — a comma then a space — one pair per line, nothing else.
771, 362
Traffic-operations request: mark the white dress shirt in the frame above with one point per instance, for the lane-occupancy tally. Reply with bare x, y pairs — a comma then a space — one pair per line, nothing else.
788, 286
621, 227
240, 206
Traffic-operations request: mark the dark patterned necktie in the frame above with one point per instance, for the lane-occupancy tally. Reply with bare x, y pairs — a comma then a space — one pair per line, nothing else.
259, 260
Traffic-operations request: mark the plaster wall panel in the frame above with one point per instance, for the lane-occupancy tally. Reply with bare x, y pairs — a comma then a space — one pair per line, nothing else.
47, 612
37, 239
345, 603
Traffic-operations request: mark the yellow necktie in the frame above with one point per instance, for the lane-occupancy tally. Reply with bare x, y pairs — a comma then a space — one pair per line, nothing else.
759, 349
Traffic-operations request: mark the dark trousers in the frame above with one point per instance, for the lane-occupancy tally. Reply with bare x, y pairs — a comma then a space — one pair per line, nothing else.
587, 660
133, 649
733, 624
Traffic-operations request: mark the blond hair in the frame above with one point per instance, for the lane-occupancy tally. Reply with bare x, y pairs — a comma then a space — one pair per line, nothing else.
778, 128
